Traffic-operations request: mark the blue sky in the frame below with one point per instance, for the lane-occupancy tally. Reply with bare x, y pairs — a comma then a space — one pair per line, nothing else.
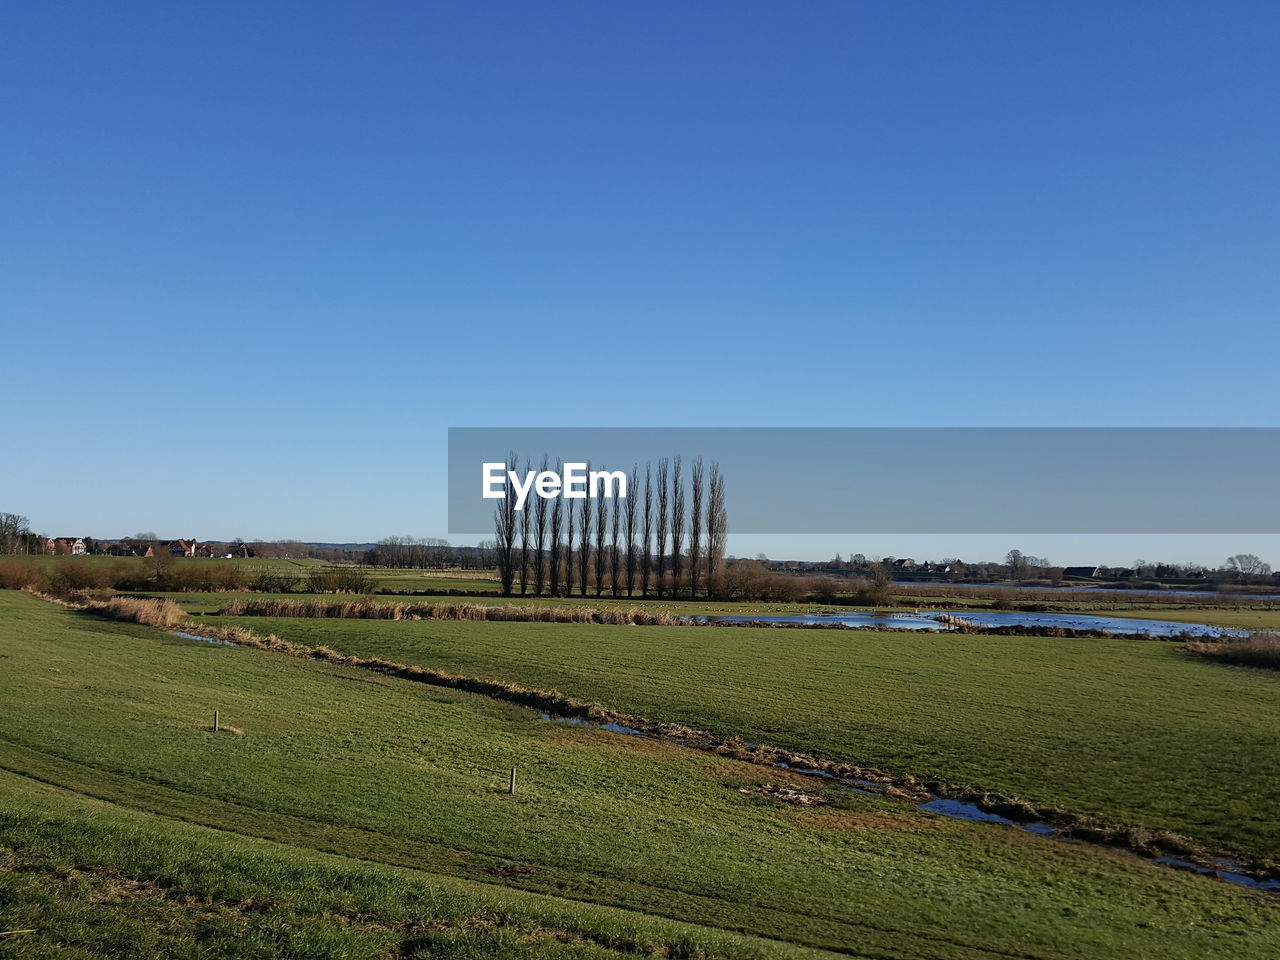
257, 257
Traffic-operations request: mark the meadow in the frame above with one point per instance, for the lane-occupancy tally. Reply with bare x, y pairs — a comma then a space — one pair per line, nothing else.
1133, 731
344, 813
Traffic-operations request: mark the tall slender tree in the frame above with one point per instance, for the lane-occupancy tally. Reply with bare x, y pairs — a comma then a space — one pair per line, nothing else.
525, 524
660, 532
717, 529
695, 525
677, 526
633, 496
540, 510
504, 521
615, 551
557, 522
568, 552
602, 533
646, 531
584, 546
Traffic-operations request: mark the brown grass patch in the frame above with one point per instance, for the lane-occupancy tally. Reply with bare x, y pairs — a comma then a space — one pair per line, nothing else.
152, 612
1258, 650
367, 609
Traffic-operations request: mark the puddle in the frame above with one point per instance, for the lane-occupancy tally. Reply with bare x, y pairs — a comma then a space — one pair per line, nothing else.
959, 810
934, 620
193, 636
1223, 868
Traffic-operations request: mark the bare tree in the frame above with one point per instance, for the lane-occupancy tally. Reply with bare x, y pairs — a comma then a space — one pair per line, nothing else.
504, 521
1246, 565
717, 528
646, 531
584, 546
695, 525
525, 524
615, 553
15, 533
557, 521
540, 506
602, 532
1018, 564
568, 553
633, 493
677, 526
660, 559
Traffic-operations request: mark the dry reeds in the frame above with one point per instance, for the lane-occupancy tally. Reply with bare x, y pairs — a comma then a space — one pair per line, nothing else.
372, 610
1258, 650
152, 612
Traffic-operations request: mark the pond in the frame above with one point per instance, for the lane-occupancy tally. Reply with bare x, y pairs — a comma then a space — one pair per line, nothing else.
1128, 626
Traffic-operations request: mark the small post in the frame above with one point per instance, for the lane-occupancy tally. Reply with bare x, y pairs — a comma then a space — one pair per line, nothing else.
512, 786
215, 721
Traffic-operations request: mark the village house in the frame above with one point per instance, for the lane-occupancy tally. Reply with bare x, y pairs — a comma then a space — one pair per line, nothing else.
1081, 572
64, 546
180, 548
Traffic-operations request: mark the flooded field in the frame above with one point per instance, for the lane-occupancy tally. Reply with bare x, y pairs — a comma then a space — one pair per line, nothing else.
931, 620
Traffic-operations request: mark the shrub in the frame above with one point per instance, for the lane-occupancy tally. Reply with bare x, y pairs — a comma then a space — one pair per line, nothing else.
15, 575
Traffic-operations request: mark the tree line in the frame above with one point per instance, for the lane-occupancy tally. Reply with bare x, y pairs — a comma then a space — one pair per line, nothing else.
665, 538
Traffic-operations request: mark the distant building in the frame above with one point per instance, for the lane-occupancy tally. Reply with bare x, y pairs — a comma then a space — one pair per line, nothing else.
65, 546
175, 548
1082, 572
904, 564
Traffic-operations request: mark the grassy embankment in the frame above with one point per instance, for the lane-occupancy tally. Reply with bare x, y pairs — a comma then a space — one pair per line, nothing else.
338, 761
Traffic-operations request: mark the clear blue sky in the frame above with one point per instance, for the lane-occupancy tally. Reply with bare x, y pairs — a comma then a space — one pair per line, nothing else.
257, 257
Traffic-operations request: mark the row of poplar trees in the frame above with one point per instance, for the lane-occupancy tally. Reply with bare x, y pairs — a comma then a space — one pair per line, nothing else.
666, 538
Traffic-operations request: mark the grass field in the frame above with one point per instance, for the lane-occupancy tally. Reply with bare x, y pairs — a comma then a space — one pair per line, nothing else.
1129, 729
127, 827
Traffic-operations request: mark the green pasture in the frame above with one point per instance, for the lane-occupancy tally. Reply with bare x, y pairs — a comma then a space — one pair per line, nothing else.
349, 814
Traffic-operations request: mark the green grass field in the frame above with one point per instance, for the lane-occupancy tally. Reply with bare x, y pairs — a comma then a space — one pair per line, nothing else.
1128, 729
356, 815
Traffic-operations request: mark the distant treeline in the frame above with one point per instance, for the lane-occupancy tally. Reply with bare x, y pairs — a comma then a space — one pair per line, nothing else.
70, 576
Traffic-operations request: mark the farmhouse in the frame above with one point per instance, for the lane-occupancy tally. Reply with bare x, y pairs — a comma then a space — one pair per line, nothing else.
1081, 572
63, 546
904, 564
177, 548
